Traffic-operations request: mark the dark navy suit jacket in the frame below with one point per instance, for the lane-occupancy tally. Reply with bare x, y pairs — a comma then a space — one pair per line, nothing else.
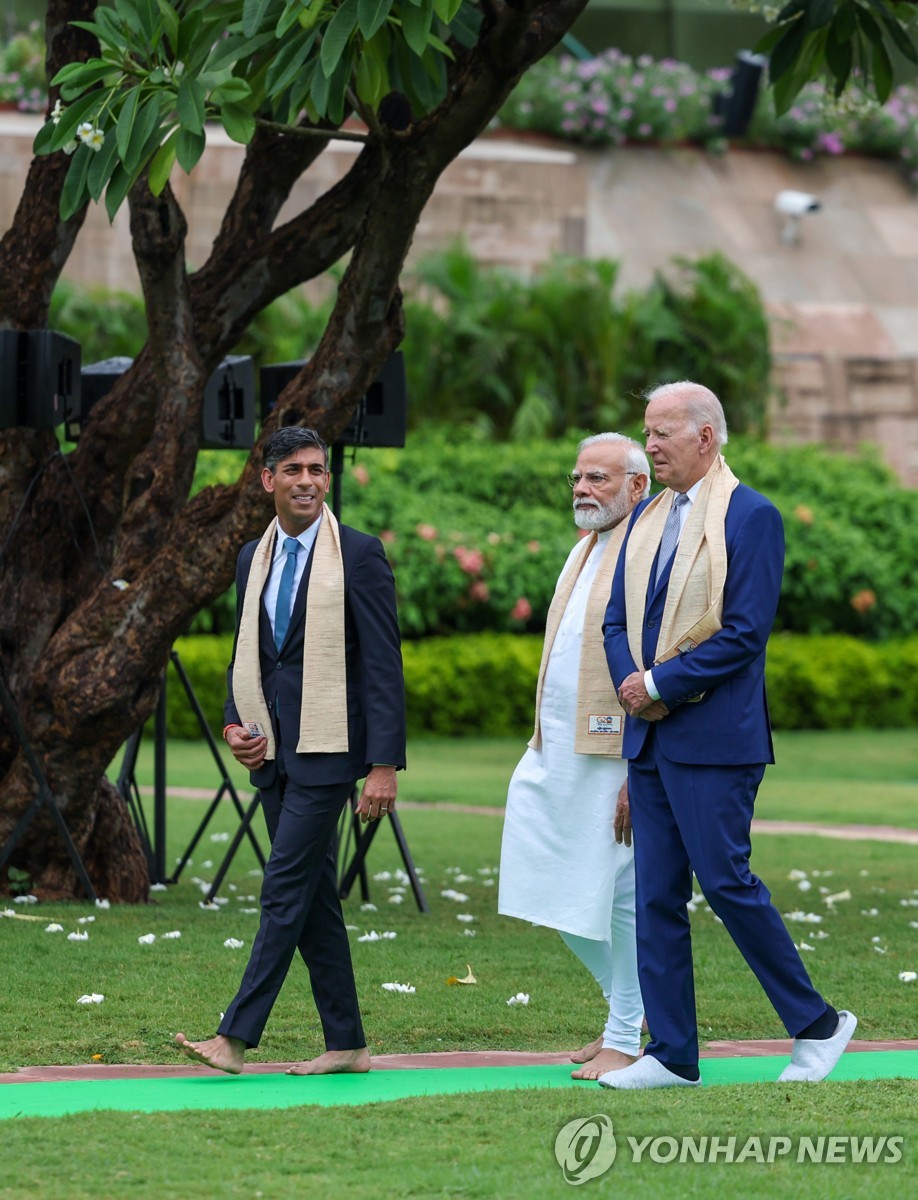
373, 665
729, 725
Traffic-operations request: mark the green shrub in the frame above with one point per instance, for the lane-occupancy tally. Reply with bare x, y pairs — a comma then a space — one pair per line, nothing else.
484, 684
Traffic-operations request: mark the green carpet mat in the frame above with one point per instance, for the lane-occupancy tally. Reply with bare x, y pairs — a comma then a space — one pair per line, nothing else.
208, 1090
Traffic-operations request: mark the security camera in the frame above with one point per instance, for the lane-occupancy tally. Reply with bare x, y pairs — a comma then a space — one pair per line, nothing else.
794, 205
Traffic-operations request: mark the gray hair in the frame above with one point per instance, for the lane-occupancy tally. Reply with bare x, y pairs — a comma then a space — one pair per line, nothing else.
288, 440
701, 406
635, 458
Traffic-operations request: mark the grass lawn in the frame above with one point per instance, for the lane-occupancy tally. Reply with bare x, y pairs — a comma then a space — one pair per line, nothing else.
491, 1145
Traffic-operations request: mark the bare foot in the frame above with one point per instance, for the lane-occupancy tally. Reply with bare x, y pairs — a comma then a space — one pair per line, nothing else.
335, 1062
222, 1053
588, 1052
605, 1060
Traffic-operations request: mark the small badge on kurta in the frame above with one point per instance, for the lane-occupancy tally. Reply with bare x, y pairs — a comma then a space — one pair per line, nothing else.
605, 724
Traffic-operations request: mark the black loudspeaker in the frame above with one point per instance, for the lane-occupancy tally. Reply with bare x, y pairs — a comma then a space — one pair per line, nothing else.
96, 380
229, 401
381, 416
39, 378
738, 105
229, 406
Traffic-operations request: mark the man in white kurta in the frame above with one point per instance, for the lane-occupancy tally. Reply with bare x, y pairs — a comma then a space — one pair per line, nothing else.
566, 858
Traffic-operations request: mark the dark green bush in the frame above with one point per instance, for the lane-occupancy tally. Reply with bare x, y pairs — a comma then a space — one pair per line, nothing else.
484, 684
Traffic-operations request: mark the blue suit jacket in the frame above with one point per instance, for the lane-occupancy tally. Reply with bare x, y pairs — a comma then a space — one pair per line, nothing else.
373, 666
730, 724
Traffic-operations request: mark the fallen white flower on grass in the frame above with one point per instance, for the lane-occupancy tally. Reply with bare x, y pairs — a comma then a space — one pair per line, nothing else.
207, 864
870, 912
487, 870
807, 918
519, 998
382, 876
373, 936
805, 946
804, 885
879, 950
488, 882
913, 924
876, 939
464, 879
450, 894
405, 988
248, 911
352, 928
905, 903
863, 871
837, 896
908, 976
85, 920
30, 899
92, 998
78, 937
147, 939
233, 944
397, 899
173, 933
368, 906
158, 887
8, 912
103, 904
466, 917
470, 932
255, 873
796, 874
219, 837
54, 928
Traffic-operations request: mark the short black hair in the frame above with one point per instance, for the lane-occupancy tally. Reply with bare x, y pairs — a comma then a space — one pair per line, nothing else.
286, 441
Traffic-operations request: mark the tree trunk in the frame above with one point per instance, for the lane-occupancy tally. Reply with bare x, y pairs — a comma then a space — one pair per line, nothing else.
104, 559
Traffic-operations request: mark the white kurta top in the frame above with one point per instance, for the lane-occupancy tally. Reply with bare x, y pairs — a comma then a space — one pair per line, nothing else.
559, 858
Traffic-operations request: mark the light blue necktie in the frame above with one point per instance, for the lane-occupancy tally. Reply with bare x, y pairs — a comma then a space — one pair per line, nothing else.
285, 592
670, 539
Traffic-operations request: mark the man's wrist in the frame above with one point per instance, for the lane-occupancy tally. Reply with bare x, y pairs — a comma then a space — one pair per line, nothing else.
232, 725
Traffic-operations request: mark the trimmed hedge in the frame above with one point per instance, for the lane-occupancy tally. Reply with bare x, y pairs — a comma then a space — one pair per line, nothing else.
484, 684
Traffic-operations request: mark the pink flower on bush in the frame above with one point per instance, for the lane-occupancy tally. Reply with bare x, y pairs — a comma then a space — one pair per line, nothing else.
387, 535
533, 547
831, 143
470, 561
864, 600
361, 474
478, 590
427, 532
521, 611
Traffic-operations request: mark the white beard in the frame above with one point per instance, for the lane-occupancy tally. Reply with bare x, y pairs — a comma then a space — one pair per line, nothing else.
590, 515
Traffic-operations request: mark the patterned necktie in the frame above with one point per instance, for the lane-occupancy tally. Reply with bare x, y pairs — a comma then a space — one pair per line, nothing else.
285, 592
670, 538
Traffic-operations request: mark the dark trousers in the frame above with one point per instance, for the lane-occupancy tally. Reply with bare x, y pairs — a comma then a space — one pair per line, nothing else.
300, 910
686, 818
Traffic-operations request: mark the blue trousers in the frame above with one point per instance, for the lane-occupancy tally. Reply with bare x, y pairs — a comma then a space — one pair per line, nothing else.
687, 817
300, 910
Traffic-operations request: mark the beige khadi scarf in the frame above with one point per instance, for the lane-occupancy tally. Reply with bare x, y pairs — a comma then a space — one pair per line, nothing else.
323, 724
600, 718
695, 597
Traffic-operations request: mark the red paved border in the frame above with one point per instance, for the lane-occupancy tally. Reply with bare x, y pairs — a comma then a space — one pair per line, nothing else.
400, 1062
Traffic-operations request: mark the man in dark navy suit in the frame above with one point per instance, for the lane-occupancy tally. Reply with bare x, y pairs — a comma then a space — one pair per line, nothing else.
692, 604
316, 702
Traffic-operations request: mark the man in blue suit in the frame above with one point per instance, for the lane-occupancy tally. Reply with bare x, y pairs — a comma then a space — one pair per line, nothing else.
316, 701
693, 601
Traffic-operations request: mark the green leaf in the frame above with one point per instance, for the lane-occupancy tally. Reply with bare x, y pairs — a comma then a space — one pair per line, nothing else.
190, 103
74, 193
416, 24
171, 21
900, 38
129, 16
82, 73
337, 36
103, 164
42, 143
839, 58
118, 187
187, 47
144, 127
126, 121
369, 80
232, 91
337, 87
188, 149
318, 93
289, 61
882, 73
162, 163
238, 49
238, 122
372, 15
819, 13
74, 115
787, 51
435, 43
253, 15
870, 28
